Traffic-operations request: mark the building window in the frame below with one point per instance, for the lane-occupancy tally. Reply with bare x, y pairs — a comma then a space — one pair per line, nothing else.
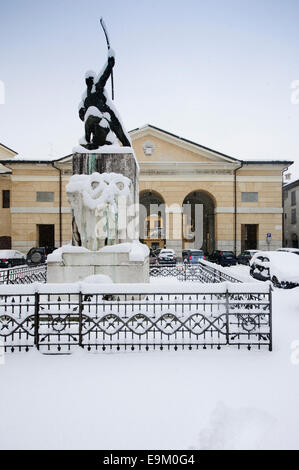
285, 195
293, 198
293, 218
5, 199
250, 197
285, 216
43, 196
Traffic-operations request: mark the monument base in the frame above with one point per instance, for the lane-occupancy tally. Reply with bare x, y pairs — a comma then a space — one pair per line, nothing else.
74, 267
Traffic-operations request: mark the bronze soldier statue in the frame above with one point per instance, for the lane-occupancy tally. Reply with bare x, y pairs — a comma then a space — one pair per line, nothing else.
103, 119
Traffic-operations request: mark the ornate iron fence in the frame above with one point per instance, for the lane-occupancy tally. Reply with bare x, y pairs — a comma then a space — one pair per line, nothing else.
201, 272
24, 275
112, 318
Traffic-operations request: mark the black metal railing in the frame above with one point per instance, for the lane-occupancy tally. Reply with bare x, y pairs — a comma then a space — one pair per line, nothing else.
202, 272
141, 319
24, 275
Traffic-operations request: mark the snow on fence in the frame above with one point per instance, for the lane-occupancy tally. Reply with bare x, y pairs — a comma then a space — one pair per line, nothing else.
115, 317
203, 272
24, 275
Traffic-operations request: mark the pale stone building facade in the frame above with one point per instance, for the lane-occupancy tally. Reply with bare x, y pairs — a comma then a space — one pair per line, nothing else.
241, 200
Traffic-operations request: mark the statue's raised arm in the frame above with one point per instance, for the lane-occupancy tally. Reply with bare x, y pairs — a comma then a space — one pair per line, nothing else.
100, 84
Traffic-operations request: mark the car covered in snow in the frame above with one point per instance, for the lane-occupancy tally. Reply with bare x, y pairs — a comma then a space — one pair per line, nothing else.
167, 256
282, 268
10, 258
290, 250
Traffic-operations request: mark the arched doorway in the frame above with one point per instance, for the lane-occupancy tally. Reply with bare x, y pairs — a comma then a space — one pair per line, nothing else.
152, 219
199, 221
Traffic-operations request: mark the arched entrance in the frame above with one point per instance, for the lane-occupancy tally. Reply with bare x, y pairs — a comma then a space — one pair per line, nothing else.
152, 219
199, 221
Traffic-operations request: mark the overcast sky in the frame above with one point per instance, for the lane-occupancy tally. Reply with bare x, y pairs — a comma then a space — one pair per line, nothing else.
217, 72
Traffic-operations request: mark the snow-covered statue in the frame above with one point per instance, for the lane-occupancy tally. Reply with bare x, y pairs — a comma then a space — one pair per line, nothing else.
102, 123
97, 201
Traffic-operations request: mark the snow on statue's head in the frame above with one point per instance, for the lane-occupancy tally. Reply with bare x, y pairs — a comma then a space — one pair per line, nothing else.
90, 74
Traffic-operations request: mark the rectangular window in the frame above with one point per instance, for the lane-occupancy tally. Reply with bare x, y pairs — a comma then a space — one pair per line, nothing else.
293, 218
43, 196
293, 198
250, 197
285, 195
5, 199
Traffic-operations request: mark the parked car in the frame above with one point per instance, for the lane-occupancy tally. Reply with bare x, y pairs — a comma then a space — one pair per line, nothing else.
10, 258
224, 258
167, 256
245, 256
295, 251
282, 268
39, 255
194, 256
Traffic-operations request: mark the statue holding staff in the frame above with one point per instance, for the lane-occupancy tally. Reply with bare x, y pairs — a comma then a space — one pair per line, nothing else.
102, 123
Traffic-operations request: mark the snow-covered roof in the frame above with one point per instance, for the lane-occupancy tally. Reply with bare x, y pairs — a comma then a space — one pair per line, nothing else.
181, 139
45, 160
9, 149
291, 185
139, 130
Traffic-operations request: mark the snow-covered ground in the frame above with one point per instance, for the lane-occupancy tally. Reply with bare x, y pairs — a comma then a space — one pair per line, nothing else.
158, 400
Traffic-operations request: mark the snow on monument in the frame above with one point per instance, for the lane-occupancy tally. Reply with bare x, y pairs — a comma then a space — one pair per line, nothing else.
103, 193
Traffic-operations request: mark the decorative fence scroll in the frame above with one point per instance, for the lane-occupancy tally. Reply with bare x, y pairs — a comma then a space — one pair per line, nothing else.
143, 317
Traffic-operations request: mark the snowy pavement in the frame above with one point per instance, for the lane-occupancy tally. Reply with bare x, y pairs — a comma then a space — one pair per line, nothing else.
157, 400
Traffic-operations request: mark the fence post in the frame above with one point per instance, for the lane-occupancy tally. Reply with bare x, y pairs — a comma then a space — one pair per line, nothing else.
36, 320
227, 314
80, 319
270, 316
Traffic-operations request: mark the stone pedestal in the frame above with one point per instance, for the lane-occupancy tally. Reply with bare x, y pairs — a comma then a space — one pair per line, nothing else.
75, 267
